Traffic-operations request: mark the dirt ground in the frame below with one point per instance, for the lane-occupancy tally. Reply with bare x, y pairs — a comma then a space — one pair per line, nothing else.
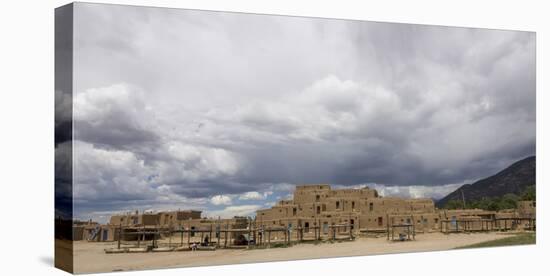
90, 256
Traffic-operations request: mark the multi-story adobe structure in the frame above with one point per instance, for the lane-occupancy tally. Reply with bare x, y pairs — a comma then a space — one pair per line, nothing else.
363, 210
360, 209
315, 210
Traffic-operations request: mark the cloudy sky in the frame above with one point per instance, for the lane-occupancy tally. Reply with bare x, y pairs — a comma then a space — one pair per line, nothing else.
225, 112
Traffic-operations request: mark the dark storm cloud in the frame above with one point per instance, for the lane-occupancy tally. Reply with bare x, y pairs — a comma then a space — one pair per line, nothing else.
177, 106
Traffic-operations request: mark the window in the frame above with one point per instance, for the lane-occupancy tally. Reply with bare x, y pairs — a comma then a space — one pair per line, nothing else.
318, 209
317, 198
353, 205
380, 221
324, 207
337, 204
436, 220
293, 211
371, 206
306, 227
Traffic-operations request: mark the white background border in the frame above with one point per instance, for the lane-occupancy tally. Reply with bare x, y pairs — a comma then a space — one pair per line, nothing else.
27, 115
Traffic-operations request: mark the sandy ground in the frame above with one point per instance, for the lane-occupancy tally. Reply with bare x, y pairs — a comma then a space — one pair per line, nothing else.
90, 257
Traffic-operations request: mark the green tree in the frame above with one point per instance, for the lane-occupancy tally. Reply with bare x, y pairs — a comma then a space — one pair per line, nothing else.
508, 201
453, 204
530, 193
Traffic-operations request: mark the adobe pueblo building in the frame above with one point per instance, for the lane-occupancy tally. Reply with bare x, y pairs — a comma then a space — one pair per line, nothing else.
320, 211
150, 226
316, 212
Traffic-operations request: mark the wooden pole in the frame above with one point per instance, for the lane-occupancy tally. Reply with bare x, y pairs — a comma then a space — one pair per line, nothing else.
229, 235
189, 237
218, 233
210, 237
413, 225
181, 242
119, 235
154, 239
249, 232
388, 228
286, 235
225, 236
319, 230
138, 239
170, 237
269, 237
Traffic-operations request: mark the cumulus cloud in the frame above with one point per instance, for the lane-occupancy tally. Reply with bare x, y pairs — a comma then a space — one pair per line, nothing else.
255, 195
231, 211
222, 108
221, 200
114, 115
416, 191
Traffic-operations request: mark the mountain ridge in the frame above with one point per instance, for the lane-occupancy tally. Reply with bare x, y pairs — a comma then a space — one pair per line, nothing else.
513, 179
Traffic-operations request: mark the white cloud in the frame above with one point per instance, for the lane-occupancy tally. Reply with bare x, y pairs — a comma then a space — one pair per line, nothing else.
98, 104
416, 191
102, 174
252, 196
231, 211
221, 200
